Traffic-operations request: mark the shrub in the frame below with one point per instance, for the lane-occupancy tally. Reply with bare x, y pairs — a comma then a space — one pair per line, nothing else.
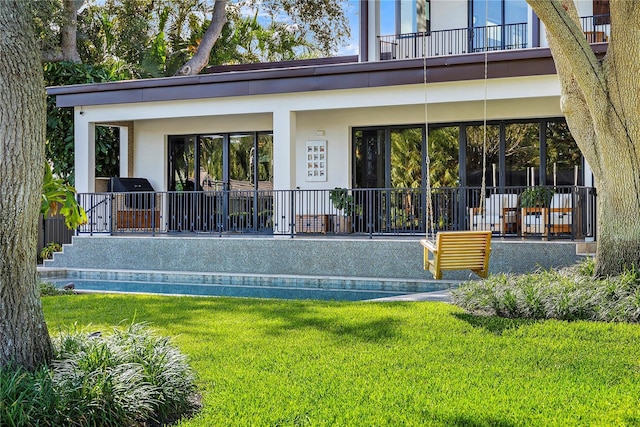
567, 294
47, 251
128, 377
50, 289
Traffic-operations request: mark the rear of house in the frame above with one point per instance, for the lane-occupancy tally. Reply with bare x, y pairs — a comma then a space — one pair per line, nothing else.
452, 93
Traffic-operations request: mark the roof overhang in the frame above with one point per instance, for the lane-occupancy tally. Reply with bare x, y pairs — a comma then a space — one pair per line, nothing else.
295, 79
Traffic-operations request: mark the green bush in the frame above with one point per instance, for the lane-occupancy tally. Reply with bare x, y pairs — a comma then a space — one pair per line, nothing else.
567, 294
47, 251
50, 289
129, 377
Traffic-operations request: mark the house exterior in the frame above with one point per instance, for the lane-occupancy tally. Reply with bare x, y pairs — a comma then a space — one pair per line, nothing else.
258, 148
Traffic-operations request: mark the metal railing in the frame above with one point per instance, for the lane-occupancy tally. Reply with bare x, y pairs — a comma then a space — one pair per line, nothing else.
596, 28
459, 41
456, 41
567, 212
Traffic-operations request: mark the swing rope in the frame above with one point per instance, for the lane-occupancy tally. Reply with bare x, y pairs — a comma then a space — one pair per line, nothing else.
483, 185
430, 232
429, 208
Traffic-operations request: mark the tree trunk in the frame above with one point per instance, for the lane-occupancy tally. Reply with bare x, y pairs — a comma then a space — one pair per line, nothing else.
201, 57
600, 100
24, 339
68, 35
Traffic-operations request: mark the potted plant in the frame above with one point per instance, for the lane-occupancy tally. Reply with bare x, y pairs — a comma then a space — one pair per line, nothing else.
344, 202
534, 202
536, 197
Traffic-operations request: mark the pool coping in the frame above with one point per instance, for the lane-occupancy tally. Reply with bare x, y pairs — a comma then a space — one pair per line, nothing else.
289, 281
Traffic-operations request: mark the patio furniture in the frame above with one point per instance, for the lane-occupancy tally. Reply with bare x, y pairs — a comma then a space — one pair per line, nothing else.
458, 250
500, 214
534, 221
561, 213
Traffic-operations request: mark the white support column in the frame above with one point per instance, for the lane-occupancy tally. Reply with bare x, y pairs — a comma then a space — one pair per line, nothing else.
124, 151
284, 168
374, 30
85, 153
284, 149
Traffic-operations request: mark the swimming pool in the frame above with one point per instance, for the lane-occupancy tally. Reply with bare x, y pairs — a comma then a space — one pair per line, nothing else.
280, 287
227, 290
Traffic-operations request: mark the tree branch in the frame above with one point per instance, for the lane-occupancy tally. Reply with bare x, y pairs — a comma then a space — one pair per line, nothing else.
201, 57
583, 83
567, 40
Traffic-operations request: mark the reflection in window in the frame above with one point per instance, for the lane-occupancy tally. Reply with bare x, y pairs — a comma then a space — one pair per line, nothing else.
522, 152
265, 161
413, 16
564, 160
494, 24
443, 155
406, 158
211, 162
475, 150
240, 162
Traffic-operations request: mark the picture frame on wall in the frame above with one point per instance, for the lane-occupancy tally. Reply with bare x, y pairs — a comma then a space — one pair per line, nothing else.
316, 160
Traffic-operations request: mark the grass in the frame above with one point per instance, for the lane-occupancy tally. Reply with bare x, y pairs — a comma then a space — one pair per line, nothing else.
294, 363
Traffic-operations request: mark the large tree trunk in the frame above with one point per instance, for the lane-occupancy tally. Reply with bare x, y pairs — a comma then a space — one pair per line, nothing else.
201, 57
601, 101
24, 339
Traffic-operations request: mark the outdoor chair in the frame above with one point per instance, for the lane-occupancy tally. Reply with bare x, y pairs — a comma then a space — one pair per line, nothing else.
500, 214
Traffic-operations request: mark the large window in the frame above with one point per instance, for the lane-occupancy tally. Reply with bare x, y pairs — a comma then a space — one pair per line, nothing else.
498, 24
229, 161
522, 153
413, 16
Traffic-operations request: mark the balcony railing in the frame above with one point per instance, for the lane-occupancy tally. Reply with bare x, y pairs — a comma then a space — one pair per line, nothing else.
460, 41
567, 212
596, 28
453, 42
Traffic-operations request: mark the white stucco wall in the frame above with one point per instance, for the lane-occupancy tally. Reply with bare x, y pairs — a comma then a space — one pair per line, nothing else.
298, 117
150, 160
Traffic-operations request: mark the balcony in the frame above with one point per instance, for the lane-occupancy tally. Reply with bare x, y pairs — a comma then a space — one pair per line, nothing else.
566, 213
461, 41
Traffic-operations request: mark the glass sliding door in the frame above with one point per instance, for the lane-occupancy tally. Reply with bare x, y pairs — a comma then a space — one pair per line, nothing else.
389, 159
475, 152
444, 171
522, 154
498, 24
563, 157
182, 183
213, 180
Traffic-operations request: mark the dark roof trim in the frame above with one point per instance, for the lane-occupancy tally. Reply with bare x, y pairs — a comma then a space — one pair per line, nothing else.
281, 64
502, 64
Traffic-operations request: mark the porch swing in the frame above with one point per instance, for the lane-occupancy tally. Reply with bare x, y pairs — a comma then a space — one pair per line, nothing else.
455, 250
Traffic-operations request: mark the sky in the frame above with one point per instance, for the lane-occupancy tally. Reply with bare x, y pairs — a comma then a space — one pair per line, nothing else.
353, 15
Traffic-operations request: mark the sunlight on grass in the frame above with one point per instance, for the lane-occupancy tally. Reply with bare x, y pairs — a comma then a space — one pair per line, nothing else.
274, 362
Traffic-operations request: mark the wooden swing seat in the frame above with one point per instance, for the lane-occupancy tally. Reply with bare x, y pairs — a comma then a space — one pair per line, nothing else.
458, 250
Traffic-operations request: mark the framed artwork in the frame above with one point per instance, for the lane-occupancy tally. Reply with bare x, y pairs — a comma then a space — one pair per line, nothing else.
316, 161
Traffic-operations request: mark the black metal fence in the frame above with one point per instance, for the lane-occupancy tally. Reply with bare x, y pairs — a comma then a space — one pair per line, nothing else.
456, 41
459, 41
548, 212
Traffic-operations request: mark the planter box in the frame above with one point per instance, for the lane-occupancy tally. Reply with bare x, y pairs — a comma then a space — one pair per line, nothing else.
534, 221
342, 224
312, 223
142, 218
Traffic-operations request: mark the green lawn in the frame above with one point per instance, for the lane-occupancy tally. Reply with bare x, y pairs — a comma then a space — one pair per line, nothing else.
273, 362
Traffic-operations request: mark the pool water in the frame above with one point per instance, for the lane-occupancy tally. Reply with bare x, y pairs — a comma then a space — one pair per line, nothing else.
228, 290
